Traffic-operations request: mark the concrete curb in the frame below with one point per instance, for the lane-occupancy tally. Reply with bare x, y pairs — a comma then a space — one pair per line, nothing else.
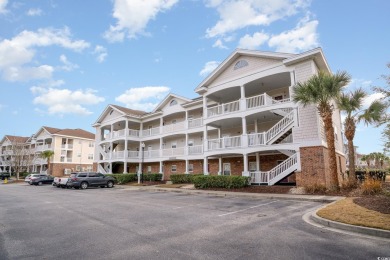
347, 227
313, 198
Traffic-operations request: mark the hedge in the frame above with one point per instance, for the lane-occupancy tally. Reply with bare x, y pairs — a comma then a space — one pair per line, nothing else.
152, 176
374, 174
183, 178
121, 178
227, 182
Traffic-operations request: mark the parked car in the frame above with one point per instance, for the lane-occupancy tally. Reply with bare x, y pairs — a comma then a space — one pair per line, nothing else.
4, 175
84, 180
33, 175
60, 182
39, 180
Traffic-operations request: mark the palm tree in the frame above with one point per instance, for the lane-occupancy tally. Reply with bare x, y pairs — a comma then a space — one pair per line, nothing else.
351, 103
47, 155
322, 90
366, 158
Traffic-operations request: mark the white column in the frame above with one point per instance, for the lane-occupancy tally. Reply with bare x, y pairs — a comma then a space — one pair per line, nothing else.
161, 147
246, 172
257, 162
242, 99
187, 161
141, 128
204, 107
125, 167
110, 171
205, 143
186, 146
126, 128
111, 150
290, 89
161, 167
219, 165
111, 130
244, 136
205, 166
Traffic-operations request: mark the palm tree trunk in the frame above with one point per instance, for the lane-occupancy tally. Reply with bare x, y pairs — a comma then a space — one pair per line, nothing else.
332, 179
351, 159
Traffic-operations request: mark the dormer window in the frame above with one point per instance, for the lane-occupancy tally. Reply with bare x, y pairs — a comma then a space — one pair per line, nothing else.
240, 64
173, 103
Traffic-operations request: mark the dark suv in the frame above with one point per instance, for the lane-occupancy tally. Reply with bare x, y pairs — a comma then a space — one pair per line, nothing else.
84, 180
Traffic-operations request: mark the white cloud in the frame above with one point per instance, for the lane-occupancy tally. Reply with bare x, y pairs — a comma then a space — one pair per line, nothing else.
145, 98
68, 66
65, 101
218, 44
301, 38
17, 54
359, 83
254, 41
238, 14
34, 12
27, 73
371, 98
208, 68
3, 4
101, 53
133, 16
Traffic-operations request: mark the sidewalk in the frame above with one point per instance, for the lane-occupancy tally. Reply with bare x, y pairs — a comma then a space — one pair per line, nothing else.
318, 221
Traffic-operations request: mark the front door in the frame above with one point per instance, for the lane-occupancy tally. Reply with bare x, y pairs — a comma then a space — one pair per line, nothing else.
226, 169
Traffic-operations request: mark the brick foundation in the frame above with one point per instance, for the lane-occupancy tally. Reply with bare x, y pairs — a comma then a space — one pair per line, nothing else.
57, 169
314, 166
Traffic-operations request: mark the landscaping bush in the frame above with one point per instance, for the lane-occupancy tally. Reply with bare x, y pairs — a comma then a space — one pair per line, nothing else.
227, 182
123, 178
315, 188
371, 186
183, 178
379, 175
152, 176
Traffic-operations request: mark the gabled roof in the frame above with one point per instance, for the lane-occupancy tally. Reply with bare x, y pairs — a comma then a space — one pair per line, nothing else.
66, 132
76, 133
286, 58
13, 138
123, 110
237, 53
167, 98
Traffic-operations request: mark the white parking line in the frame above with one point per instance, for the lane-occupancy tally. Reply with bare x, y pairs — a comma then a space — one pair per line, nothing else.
189, 205
247, 208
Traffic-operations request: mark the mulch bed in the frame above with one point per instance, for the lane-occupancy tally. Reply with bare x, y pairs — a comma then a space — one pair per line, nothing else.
259, 189
380, 203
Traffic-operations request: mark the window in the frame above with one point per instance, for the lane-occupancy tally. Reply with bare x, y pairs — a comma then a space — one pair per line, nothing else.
91, 144
78, 154
240, 64
190, 142
90, 156
190, 167
78, 168
92, 174
174, 121
173, 103
173, 168
149, 169
174, 145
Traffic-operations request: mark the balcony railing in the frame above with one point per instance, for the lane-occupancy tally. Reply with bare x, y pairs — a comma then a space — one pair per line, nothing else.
43, 147
224, 143
173, 151
193, 123
133, 132
67, 146
226, 108
197, 149
151, 131
173, 127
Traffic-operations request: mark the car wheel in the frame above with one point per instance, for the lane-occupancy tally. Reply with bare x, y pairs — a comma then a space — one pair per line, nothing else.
58, 186
110, 184
102, 186
84, 185
77, 188
30, 183
40, 183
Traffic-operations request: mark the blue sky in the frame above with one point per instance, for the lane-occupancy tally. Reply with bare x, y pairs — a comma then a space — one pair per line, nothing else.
63, 61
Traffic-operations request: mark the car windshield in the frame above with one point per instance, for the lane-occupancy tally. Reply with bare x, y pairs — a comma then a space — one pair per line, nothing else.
35, 175
72, 175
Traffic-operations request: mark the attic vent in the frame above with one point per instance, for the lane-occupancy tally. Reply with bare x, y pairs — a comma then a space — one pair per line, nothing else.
240, 64
173, 102
112, 110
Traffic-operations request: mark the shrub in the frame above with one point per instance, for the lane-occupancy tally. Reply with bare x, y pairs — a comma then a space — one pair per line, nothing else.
183, 178
348, 185
371, 186
315, 188
152, 176
227, 182
123, 178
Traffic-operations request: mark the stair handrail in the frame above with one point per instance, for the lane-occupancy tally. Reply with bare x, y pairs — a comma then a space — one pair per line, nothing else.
280, 126
282, 167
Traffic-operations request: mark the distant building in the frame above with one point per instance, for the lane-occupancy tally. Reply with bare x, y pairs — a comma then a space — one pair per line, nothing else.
73, 151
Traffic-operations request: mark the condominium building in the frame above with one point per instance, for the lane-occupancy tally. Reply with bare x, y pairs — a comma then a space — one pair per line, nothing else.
73, 151
244, 122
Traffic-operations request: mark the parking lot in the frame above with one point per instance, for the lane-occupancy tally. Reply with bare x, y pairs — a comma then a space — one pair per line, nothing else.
44, 222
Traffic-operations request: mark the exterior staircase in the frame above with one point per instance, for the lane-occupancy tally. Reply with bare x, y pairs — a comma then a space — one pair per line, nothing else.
281, 129
277, 173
